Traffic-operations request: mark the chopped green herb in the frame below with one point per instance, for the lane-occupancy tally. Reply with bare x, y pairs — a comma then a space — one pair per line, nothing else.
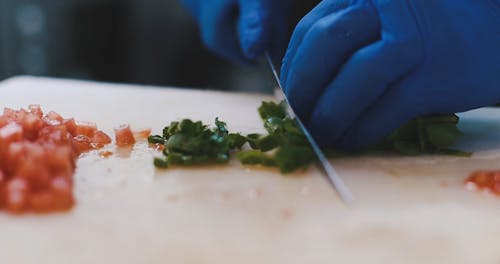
253, 140
285, 146
424, 135
290, 157
256, 157
160, 162
156, 140
193, 143
236, 141
270, 109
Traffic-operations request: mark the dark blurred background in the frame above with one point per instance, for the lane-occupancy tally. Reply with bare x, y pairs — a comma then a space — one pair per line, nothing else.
129, 41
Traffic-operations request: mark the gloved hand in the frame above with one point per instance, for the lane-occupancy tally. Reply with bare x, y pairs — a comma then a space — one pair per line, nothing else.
242, 30
356, 70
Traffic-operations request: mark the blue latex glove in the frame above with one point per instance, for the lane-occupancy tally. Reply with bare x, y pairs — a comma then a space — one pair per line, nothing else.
242, 30
357, 70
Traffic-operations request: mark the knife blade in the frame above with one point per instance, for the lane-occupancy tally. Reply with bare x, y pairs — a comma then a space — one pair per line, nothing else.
334, 178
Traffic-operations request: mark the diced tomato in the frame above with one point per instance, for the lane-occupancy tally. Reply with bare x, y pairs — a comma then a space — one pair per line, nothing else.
41, 201
10, 113
11, 132
100, 139
62, 186
38, 158
58, 198
11, 156
142, 134
53, 118
82, 144
70, 125
4, 121
31, 125
86, 129
124, 136
3, 181
38, 176
16, 195
61, 160
56, 134
49, 201
36, 110
485, 180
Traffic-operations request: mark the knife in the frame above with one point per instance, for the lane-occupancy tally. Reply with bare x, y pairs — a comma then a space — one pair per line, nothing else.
336, 181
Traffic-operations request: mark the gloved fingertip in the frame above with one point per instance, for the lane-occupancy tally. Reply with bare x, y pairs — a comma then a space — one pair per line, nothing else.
252, 40
252, 50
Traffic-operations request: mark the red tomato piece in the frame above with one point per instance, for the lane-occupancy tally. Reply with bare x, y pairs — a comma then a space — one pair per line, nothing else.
10, 113
85, 128
55, 134
3, 181
485, 180
11, 132
70, 126
142, 134
50, 201
36, 110
16, 195
100, 139
82, 144
53, 118
124, 136
31, 125
61, 160
4, 121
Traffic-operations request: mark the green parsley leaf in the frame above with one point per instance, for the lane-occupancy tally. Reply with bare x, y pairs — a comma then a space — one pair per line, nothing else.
190, 143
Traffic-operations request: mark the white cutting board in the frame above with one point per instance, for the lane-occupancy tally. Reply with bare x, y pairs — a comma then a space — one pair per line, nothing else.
406, 210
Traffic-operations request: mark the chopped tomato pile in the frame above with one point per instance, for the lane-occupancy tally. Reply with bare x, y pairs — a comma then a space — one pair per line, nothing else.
484, 180
38, 155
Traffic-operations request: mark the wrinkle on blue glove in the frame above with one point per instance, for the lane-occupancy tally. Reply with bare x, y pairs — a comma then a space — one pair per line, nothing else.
430, 57
323, 9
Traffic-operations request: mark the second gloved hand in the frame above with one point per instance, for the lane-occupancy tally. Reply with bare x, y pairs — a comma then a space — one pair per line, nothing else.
242, 30
356, 70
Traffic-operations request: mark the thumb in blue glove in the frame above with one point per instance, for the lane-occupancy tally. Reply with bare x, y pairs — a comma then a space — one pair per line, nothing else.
358, 70
242, 30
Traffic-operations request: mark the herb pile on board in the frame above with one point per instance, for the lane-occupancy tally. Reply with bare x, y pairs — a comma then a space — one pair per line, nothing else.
193, 143
425, 135
284, 146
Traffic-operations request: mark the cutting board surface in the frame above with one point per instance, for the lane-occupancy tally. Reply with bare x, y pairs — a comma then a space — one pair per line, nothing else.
406, 209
